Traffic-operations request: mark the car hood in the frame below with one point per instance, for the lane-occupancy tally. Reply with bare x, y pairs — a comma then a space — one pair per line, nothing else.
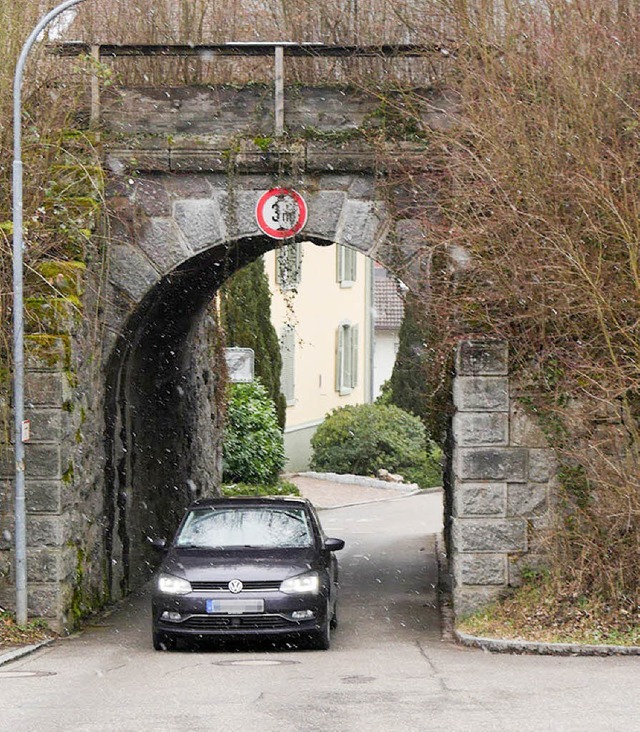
198, 566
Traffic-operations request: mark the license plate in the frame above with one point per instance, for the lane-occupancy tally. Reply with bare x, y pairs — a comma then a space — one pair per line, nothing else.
235, 607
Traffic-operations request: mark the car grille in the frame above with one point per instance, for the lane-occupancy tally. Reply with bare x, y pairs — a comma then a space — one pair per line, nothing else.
243, 622
223, 586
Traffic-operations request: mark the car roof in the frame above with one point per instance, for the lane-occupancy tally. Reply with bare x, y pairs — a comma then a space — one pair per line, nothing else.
230, 501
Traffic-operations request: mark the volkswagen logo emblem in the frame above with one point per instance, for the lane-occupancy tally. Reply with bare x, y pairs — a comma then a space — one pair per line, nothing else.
235, 586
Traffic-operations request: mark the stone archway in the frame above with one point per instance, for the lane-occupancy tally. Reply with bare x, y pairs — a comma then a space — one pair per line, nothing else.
110, 424
175, 240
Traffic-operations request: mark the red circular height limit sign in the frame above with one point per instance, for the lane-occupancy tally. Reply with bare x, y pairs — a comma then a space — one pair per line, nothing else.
281, 213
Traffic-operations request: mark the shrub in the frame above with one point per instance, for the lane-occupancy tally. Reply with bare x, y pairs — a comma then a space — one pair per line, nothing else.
362, 439
281, 488
253, 448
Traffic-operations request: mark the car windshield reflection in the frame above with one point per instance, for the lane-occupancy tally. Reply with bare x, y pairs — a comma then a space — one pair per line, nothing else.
251, 527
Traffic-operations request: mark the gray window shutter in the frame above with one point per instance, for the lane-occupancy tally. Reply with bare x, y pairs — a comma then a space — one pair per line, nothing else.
289, 266
352, 264
354, 356
339, 357
288, 352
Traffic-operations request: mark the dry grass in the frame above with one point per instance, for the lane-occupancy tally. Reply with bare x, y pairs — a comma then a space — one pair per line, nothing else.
17, 635
539, 189
540, 612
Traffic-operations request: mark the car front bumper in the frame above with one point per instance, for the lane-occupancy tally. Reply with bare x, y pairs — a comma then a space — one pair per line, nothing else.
186, 615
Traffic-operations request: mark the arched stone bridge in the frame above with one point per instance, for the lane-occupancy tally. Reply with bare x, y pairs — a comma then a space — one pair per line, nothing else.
123, 409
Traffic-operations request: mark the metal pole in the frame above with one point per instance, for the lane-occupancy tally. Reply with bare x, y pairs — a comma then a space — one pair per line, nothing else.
18, 317
94, 118
279, 91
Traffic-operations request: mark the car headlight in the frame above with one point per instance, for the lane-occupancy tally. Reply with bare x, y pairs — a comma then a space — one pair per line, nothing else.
303, 584
170, 585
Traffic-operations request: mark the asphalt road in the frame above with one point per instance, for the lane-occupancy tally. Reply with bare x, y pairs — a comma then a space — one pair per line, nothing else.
388, 668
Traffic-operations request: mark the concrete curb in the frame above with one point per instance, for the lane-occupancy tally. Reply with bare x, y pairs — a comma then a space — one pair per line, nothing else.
365, 501
361, 480
20, 651
495, 645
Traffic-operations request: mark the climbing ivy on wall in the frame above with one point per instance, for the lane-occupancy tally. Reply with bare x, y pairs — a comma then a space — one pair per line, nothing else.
62, 188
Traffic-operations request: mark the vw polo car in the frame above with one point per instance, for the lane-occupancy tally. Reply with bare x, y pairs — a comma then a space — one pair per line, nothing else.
247, 566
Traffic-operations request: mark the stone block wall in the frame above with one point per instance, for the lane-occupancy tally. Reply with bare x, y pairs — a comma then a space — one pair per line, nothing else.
51, 555
502, 478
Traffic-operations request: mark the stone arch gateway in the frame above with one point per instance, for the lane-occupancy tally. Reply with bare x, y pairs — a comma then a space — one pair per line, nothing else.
124, 435
192, 231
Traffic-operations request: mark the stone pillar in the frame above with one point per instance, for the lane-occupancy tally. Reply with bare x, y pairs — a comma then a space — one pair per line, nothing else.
50, 558
502, 471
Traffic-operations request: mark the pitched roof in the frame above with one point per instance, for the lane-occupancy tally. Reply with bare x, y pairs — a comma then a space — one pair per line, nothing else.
388, 304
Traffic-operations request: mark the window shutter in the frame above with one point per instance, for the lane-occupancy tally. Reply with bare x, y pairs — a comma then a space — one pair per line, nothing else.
348, 356
339, 356
289, 266
297, 262
354, 356
346, 264
352, 264
287, 352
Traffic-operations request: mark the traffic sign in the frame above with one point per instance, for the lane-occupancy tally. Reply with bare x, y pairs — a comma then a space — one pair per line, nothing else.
240, 364
281, 213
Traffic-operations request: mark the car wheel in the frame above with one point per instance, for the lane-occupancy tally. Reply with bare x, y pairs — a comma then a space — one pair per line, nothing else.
321, 639
334, 617
163, 642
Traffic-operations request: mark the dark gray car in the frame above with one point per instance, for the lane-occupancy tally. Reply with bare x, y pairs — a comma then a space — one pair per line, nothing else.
247, 566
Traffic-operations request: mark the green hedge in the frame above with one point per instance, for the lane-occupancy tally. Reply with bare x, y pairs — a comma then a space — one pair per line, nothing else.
365, 438
281, 488
253, 447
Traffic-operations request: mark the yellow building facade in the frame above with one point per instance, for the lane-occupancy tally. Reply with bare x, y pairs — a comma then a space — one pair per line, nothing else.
321, 309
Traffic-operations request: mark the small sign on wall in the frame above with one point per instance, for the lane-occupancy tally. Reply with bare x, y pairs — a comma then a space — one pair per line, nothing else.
26, 430
240, 364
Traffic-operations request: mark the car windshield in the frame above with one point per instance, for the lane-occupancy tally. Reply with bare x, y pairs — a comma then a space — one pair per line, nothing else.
246, 527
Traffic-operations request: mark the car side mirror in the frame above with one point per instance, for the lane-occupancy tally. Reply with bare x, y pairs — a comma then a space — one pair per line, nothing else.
334, 545
160, 545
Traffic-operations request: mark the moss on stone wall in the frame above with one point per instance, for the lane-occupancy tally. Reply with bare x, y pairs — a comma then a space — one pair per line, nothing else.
64, 277
44, 350
84, 599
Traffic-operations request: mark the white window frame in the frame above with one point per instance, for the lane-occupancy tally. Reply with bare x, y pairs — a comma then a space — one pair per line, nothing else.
347, 345
288, 356
346, 265
289, 266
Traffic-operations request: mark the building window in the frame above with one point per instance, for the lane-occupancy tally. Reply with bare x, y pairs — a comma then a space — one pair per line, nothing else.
289, 266
288, 353
346, 265
346, 358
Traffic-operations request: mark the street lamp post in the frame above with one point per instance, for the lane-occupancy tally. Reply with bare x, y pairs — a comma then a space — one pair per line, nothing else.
18, 318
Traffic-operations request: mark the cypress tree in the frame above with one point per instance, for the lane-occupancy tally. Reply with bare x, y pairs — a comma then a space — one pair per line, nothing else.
416, 383
245, 314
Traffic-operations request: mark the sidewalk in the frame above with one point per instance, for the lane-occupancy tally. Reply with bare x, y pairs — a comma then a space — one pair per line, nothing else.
11, 653
336, 491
